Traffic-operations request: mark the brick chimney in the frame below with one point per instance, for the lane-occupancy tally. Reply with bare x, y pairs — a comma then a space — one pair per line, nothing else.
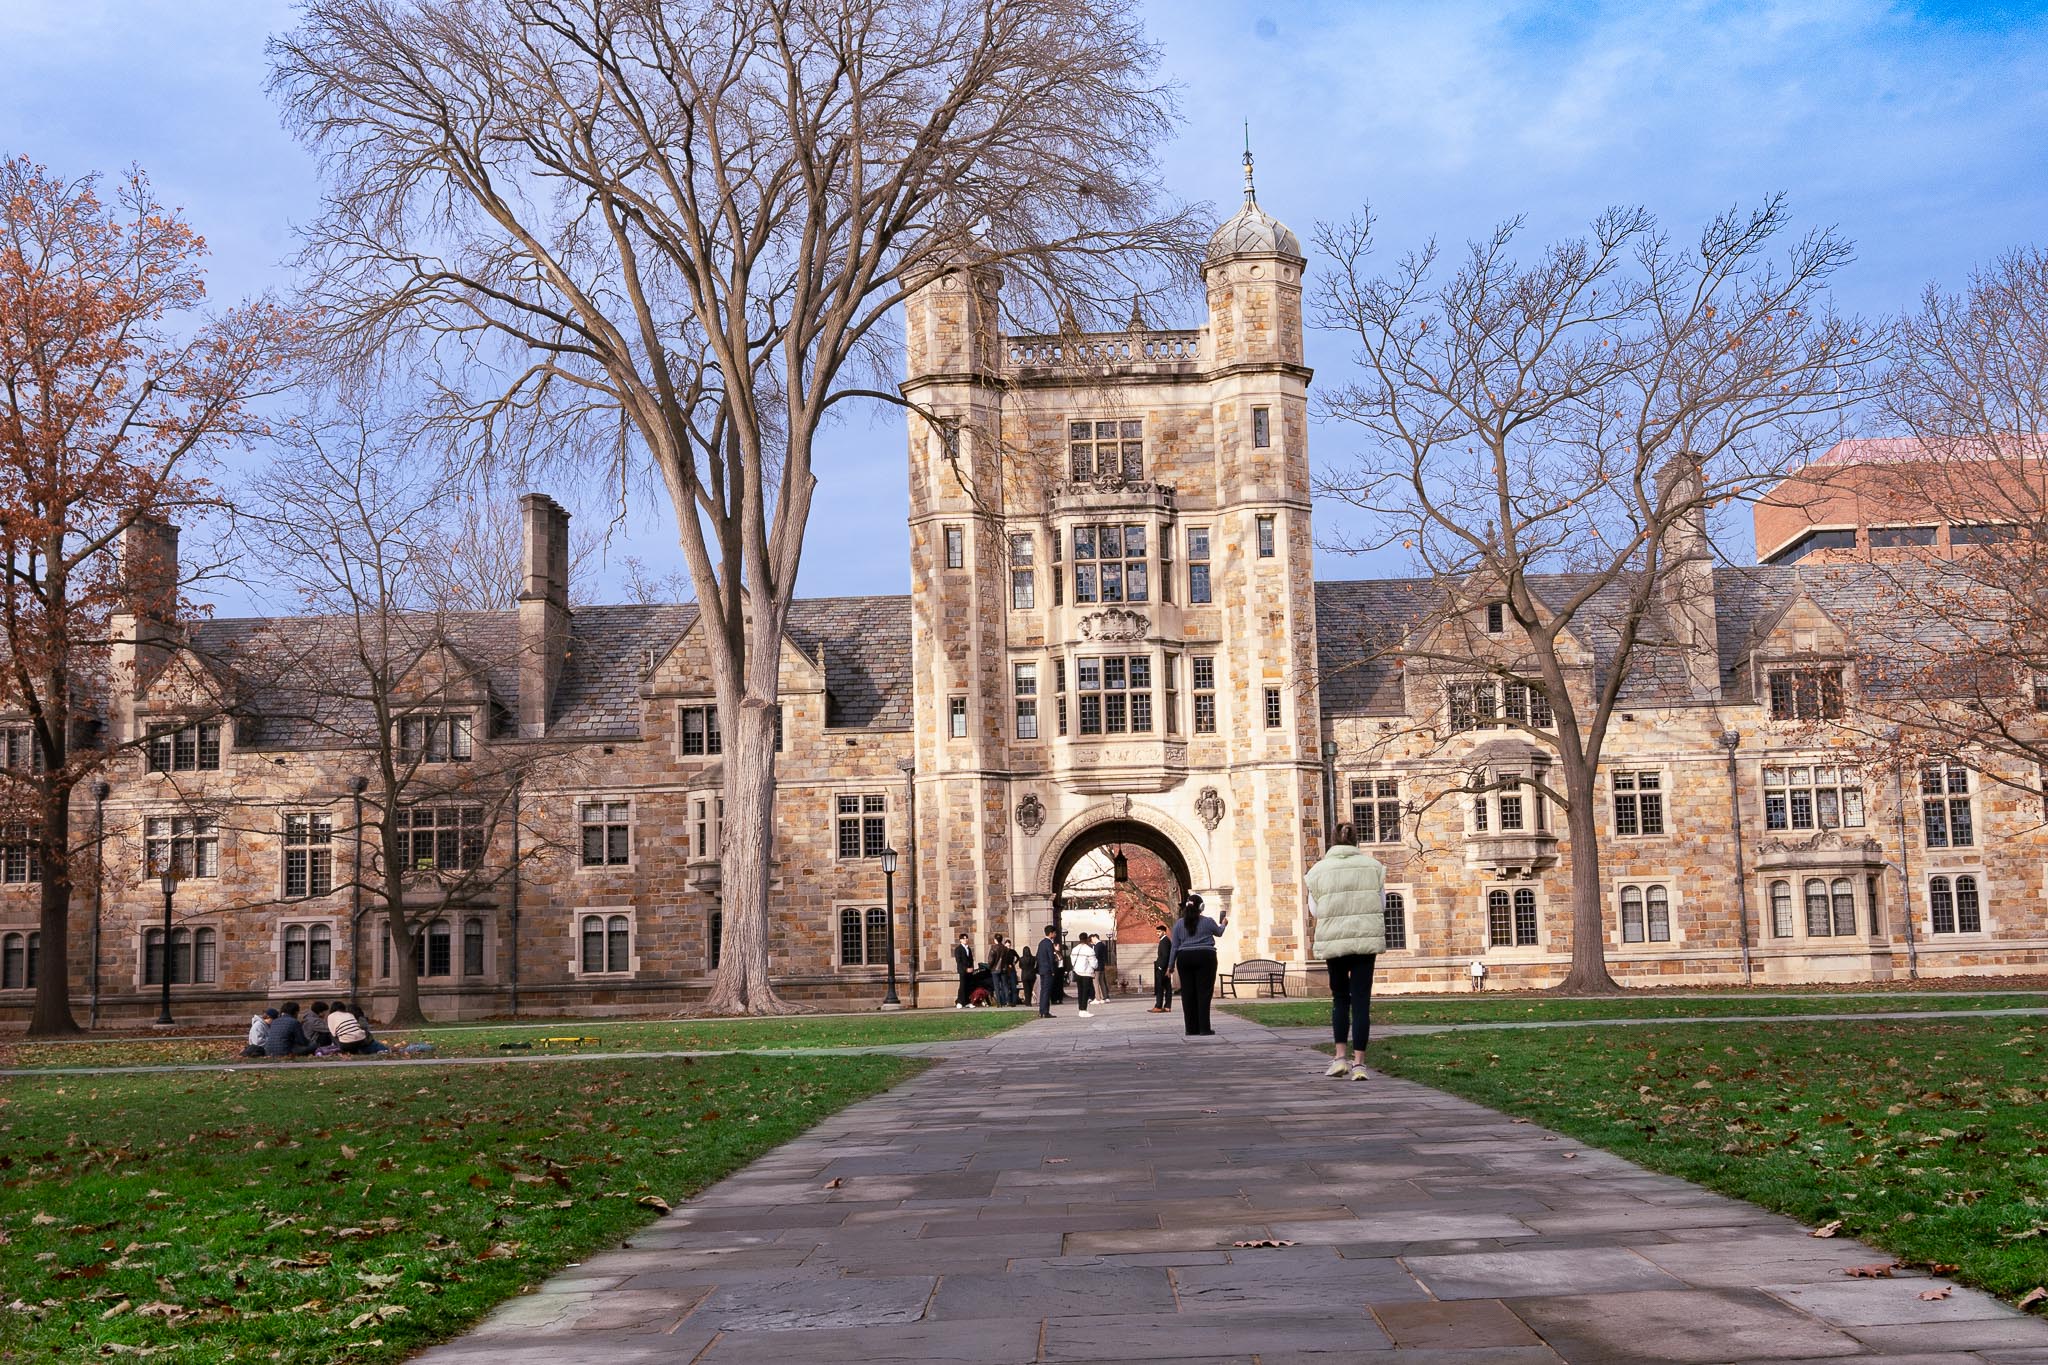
144, 629
543, 609
1685, 586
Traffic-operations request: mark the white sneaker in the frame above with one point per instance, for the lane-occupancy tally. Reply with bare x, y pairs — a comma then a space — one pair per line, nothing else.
1338, 1067
1358, 1074
959, 1007
1084, 1014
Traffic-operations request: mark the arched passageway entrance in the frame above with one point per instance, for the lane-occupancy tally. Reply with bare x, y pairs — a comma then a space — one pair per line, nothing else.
1121, 881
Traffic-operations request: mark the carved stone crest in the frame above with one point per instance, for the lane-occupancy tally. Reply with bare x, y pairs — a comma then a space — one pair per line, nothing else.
1120, 806
1030, 814
1210, 807
1825, 841
1115, 624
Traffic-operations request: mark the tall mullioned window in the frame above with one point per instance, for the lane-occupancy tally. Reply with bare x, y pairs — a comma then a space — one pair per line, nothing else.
1511, 918
308, 854
607, 833
1806, 693
187, 844
1204, 691
1109, 564
1394, 905
1026, 687
440, 838
1376, 809
1262, 428
1267, 543
1023, 576
21, 857
1952, 905
1945, 806
1106, 450
19, 752
700, 733
1477, 705
863, 825
1645, 913
432, 739
1198, 565
1638, 803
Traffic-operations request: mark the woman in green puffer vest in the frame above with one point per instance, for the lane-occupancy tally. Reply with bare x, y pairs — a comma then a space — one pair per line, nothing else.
1346, 897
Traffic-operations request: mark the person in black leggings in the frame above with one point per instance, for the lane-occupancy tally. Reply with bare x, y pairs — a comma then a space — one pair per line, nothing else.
1194, 955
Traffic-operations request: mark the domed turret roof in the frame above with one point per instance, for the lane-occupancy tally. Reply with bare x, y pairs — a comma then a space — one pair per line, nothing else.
1252, 231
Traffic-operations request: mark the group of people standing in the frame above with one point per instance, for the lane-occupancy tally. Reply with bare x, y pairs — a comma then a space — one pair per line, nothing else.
1346, 900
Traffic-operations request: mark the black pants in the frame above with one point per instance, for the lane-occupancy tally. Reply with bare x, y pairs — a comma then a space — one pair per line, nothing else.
1351, 998
960, 997
1197, 985
1162, 988
1030, 982
1084, 991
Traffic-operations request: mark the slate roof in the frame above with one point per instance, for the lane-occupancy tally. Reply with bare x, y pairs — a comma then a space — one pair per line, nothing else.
863, 642
1872, 602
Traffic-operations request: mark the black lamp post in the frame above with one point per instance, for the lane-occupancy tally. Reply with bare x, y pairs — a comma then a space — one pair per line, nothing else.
169, 882
889, 1001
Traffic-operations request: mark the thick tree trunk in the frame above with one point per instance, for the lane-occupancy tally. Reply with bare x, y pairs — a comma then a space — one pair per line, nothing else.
1588, 974
743, 985
405, 973
51, 1016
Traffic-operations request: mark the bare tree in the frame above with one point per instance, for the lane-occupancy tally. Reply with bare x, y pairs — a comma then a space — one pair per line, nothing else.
1957, 659
378, 669
1547, 439
473, 560
675, 231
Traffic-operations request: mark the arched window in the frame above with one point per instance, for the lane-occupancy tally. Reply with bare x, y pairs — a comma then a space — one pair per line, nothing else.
1659, 914
715, 935
1396, 908
1843, 893
593, 943
1631, 914
852, 939
1500, 923
319, 953
878, 936
1816, 907
1969, 920
1781, 909
1941, 905
618, 944
15, 972
472, 947
1525, 917
295, 952
202, 955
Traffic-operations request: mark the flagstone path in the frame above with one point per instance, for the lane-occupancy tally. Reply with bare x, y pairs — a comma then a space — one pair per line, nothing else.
1095, 1190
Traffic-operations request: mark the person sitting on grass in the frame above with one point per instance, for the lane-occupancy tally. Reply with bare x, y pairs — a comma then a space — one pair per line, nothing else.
286, 1036
259, 1028
318, 1032
351, 1034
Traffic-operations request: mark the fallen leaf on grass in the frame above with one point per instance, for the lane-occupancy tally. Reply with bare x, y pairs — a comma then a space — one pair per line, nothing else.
499, 1251
1827, 1229
2033, 1296
380, 1314
1930, 1295
652, 1201
42, 1220
1882, 1270
117, 1310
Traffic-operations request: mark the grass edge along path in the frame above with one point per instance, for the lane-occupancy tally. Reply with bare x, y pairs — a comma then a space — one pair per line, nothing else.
1518, 1009
358, 1216
560, 1037
1926, 1139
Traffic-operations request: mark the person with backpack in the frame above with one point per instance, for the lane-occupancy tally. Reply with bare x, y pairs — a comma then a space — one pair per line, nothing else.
1194, 956
1083, 958
1347, 900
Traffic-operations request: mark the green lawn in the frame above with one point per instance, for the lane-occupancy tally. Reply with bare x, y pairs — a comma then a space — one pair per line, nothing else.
1509, 1009
1929, 1140
355, 1215
570, 1036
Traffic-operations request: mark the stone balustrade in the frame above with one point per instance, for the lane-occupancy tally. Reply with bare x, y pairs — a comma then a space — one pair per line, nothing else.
1099, 349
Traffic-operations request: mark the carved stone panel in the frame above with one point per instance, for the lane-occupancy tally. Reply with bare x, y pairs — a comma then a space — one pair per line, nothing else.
1030, 814
1115, 623
1209, 806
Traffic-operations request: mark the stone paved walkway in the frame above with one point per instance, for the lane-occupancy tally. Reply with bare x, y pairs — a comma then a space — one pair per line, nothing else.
1078, 1191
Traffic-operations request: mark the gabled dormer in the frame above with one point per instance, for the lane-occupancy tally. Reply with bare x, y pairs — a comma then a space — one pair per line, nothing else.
1798, 663
682, 704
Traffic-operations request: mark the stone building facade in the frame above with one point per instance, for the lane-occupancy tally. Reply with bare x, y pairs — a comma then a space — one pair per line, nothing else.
1114, 640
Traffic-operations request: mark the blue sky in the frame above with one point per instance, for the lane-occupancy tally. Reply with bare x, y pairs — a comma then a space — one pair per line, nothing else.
1917, 130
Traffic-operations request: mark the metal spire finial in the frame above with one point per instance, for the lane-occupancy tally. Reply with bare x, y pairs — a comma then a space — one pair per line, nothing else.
1250, 195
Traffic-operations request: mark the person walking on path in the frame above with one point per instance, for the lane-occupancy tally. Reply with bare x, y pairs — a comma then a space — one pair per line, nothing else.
1347, 901
1162, 973
963, 965
1048, 958
1194, 955
1084, 974
1003, 972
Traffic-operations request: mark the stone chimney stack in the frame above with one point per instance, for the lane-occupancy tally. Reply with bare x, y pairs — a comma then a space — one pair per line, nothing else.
1685, 586
543, 609
149, 573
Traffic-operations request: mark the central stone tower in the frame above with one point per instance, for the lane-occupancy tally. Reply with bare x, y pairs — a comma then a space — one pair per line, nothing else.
1113, 603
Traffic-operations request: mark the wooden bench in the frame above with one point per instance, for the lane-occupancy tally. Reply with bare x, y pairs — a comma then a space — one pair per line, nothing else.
1254, 973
